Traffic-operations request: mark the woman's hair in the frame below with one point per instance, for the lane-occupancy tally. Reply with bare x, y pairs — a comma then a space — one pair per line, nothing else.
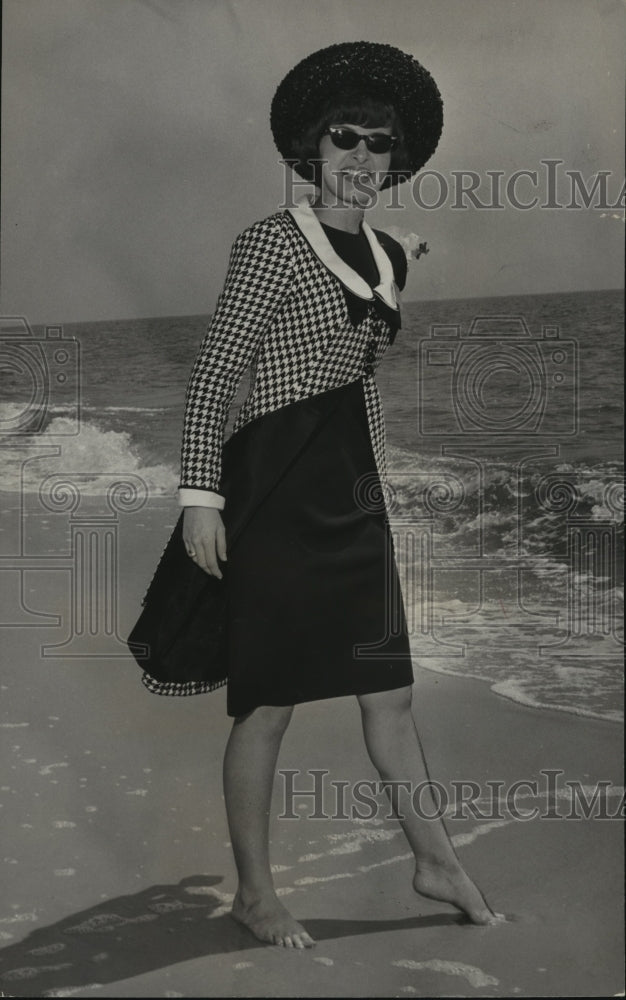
354, 110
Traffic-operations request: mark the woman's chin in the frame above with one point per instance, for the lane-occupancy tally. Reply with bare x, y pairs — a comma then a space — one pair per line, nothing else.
356, 195
348, 196
364, 199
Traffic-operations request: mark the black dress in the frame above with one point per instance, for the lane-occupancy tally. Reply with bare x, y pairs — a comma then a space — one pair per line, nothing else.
314, 607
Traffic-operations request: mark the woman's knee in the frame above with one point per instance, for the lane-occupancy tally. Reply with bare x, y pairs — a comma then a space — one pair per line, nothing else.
270, 719
396, 702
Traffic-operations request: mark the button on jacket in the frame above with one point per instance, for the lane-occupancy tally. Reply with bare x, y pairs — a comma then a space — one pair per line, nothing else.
283, 314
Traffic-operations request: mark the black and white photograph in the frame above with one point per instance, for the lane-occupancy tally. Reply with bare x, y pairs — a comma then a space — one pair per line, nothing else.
311, 534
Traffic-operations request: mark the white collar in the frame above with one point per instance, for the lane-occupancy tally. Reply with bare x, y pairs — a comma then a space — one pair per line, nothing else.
311, 228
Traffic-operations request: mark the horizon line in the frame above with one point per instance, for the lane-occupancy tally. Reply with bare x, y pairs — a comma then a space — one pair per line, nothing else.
456, 298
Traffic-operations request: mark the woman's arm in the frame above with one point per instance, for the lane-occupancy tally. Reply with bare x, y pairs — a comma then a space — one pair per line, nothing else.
257, 280
397, 256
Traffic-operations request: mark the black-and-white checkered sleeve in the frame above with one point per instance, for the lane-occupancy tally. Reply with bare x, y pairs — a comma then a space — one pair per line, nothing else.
256, 284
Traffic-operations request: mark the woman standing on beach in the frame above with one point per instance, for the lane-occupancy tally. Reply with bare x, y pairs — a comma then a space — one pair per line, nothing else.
314, 608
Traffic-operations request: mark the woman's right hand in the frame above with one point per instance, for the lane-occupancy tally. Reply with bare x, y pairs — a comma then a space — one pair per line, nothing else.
204, 536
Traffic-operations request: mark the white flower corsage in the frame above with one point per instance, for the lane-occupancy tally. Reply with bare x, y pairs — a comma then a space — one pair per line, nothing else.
412, 244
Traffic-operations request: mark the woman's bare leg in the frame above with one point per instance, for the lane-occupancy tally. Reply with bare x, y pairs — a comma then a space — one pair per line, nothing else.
249, 767
395, 750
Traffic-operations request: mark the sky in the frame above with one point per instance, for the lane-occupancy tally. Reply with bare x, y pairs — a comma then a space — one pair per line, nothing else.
136, 144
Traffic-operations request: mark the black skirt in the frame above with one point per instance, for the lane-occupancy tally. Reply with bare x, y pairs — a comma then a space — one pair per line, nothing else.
313, 602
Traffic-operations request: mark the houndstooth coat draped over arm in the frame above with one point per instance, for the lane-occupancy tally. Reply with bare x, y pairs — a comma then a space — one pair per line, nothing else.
283, 314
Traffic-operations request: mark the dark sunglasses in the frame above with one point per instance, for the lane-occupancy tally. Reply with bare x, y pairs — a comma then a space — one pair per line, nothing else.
347, 138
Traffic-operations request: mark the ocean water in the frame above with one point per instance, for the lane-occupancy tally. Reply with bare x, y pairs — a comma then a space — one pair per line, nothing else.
504, 427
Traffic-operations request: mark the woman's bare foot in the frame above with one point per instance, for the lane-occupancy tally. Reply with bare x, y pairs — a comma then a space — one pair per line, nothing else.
271, 922
453, 885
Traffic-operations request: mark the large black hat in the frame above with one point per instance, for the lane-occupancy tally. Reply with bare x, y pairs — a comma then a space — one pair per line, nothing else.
368, 69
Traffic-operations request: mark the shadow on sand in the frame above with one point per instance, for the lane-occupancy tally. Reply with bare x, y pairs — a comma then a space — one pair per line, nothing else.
150, 930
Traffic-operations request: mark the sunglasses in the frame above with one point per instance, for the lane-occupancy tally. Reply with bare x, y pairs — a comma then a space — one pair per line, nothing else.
347, 138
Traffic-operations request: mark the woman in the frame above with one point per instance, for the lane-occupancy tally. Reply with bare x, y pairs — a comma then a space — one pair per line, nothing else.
313, 603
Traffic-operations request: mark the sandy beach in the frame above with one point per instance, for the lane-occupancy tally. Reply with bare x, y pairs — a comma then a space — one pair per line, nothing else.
117, 869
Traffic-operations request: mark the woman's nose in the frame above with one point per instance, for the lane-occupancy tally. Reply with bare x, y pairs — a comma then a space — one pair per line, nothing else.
361, 150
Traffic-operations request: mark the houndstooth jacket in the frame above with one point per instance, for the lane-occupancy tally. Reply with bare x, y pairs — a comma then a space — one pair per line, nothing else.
282, 313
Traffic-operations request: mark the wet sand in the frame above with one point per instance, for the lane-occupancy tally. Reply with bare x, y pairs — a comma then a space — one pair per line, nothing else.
117, 869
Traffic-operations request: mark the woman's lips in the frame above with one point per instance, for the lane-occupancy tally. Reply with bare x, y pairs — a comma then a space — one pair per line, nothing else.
362, 176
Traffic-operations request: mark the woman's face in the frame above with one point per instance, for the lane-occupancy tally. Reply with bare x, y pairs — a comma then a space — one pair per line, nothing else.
352, 177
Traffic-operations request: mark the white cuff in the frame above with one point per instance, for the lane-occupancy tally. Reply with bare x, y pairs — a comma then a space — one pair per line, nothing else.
200, 498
